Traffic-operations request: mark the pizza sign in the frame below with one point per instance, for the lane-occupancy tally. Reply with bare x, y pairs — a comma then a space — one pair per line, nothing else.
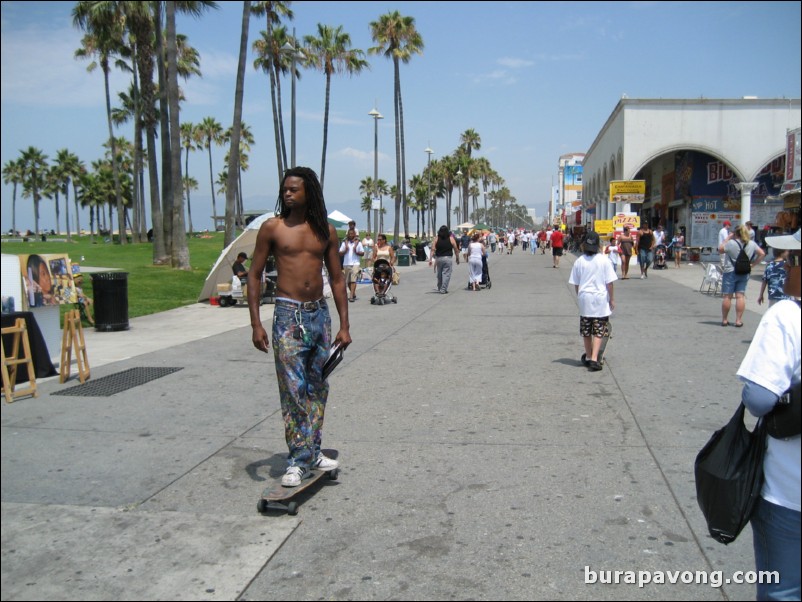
623, 220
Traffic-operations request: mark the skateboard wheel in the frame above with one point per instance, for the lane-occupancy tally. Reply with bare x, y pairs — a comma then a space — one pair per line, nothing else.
261, 507
334, 474
395, 299
292, 508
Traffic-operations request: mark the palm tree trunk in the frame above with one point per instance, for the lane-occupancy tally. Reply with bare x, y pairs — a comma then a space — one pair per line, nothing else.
233, 153
114, 167
276, 133
77, 209
36, 210
146, 67
156, 219
281, 126
397, 151
403, 161
189, 204
56, 205
325, 130
211, 183
180, 251
14, 211
136, 235
164, 133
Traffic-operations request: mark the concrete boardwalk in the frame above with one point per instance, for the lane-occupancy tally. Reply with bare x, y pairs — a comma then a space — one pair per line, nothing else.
480, 459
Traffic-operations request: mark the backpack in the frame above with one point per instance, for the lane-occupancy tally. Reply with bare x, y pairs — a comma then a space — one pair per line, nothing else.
743, 265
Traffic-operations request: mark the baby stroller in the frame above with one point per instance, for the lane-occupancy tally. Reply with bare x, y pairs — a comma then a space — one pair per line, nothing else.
485, 274
660, 253
382, 283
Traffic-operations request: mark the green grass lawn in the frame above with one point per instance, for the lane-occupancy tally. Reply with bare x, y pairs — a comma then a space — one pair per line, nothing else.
151, 288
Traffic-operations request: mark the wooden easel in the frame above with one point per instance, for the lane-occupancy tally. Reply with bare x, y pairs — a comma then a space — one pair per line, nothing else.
73, 337
20, 332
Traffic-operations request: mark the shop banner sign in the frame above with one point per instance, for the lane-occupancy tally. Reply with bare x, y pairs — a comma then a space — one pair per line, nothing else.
626, 219
627, 191
603, 226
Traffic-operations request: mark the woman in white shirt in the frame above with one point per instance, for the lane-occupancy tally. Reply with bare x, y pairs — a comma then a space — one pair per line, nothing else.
772, 367
475, 252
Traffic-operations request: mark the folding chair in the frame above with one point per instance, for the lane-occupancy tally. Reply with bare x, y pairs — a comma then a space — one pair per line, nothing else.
711, 283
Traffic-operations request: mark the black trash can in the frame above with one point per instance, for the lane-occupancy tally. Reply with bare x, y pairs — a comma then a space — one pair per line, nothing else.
420, 251
110, 291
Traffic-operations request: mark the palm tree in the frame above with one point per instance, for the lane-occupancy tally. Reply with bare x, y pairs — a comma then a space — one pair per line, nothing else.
469, 141
268, 49
103, 24
190, 183
419, 192
13, 174
331, 53
212, 133
367, 205
397, 40
448, 169
131, 109
367, 187
65, 171
246, 139
188, 138
34, 176
382, 188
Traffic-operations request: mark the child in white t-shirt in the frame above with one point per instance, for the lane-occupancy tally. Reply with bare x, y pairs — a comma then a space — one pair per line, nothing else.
593, 277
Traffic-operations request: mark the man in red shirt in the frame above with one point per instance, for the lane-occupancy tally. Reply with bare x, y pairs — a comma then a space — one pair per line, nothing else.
556, 246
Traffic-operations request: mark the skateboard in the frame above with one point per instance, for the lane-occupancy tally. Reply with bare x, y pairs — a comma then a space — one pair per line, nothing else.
278, 497
608, 333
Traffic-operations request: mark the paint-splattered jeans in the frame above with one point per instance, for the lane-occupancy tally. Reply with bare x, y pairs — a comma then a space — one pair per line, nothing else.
301, 342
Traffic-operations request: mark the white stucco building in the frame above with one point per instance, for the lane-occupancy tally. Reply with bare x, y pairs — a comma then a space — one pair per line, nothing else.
703, 160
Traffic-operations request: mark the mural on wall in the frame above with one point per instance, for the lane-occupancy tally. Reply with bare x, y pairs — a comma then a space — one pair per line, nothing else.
698, 175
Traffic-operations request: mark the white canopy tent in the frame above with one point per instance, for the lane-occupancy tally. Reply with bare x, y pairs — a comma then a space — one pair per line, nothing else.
221, 271
339, 216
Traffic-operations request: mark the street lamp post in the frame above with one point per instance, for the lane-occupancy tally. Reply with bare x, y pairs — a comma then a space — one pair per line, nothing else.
429, 152
376, 116
459, 185
294, 55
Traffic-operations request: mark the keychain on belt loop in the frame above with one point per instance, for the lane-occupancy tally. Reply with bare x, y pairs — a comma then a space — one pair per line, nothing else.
301, 332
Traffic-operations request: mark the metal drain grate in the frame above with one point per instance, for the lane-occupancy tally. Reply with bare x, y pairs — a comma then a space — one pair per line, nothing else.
116, 383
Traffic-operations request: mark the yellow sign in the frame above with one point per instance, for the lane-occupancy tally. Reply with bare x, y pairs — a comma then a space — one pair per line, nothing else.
627, 191
622, 219
603, 226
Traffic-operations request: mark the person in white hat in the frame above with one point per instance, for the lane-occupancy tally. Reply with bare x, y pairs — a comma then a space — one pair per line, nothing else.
770, 372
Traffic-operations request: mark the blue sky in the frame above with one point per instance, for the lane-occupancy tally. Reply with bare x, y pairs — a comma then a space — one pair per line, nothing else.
535, 80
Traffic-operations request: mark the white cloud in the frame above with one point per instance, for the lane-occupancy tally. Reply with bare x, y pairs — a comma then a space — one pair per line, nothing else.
359, 155
513, 63
499, 76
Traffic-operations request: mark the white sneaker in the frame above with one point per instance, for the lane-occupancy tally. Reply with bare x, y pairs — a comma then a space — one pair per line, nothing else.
325, 464
294, 476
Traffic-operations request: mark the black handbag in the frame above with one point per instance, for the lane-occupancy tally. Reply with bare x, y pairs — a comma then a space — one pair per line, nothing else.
729, 476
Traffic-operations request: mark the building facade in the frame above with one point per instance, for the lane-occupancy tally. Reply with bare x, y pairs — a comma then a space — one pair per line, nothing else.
569, 185
702, 160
